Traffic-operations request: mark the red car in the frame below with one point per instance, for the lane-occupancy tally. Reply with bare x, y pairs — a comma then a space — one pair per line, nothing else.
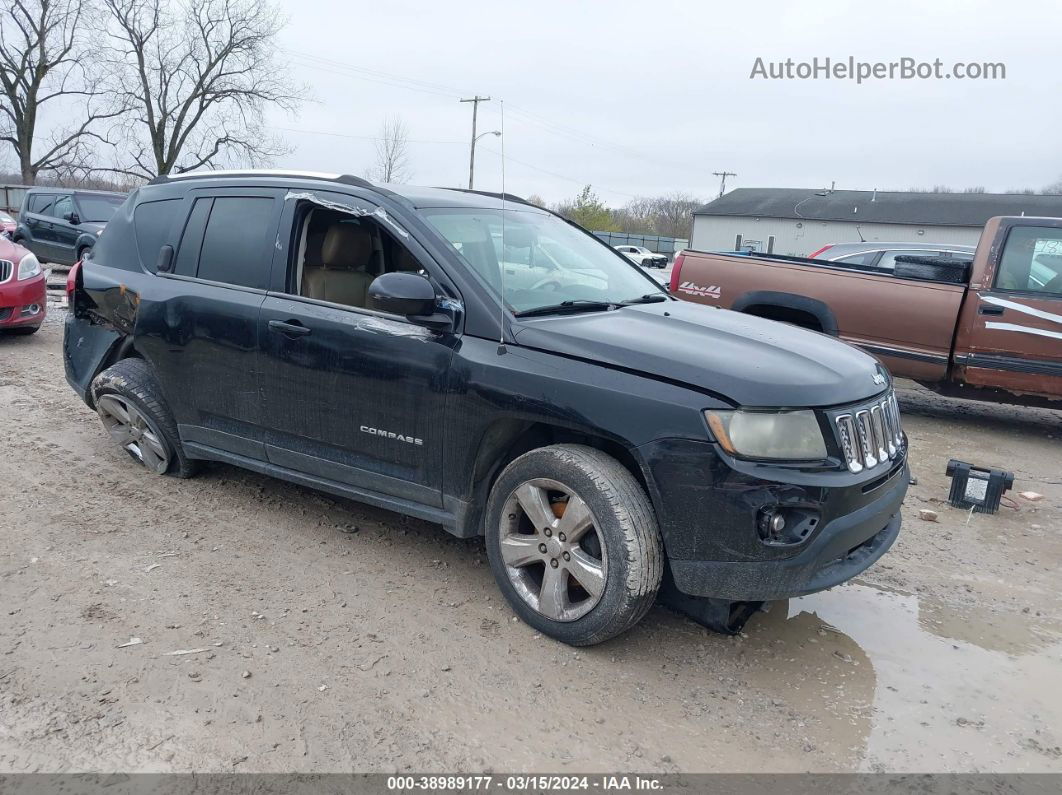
23, 290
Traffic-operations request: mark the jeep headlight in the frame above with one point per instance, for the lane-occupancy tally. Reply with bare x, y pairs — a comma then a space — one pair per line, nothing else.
28, 267
774, 435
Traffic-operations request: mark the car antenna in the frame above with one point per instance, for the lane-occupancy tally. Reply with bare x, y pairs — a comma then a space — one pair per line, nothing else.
501, 259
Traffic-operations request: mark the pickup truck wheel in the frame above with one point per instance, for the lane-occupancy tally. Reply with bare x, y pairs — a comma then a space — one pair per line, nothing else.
573, 543
129, 401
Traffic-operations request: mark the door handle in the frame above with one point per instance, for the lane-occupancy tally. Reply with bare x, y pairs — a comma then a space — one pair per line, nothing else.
291, 328
989, 310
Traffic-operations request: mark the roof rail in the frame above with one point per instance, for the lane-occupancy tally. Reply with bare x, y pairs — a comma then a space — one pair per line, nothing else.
503, 196
345, 179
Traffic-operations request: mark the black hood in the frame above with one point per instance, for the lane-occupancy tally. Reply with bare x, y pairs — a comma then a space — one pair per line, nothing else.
748, 360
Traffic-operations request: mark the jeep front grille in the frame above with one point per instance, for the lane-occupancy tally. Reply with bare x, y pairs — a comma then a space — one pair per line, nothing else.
870, 434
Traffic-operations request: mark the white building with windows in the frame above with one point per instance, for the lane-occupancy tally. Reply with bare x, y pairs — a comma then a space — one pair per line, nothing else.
798, 222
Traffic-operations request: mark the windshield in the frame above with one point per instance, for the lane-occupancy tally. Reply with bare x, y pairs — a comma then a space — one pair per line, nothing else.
543, 261
98, 209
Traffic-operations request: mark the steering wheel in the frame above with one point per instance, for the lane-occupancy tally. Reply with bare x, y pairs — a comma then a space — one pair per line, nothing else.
548, 283
1053, 286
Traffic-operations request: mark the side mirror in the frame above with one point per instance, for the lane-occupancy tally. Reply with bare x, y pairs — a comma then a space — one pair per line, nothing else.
71, 217
410, 295
165, 259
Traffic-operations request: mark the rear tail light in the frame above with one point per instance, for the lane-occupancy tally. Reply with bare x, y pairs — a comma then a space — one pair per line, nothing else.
821, 251
71, 283
673, 287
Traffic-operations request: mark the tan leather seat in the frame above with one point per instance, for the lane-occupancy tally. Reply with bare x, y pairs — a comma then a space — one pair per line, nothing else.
341, 278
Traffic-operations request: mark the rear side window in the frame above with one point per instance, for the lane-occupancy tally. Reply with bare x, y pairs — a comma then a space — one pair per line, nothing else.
234, 250
152, 222
41, 203
192, 238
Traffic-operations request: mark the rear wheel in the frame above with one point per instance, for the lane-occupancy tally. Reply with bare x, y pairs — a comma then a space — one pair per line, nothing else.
129, 401
573, 543
81, 253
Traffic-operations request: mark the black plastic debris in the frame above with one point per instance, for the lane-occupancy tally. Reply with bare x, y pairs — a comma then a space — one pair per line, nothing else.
976, 487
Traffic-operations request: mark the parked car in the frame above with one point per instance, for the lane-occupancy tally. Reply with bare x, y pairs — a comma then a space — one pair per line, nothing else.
364, 340
60, 225
642, 256
987, 327
23, 291
7, 224
882, 256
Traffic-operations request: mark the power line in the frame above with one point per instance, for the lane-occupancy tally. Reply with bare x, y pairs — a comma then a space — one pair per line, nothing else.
413, 84
366, 137
512, 159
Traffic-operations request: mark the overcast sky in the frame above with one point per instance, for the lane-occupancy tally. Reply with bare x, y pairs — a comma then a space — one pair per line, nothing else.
652, 97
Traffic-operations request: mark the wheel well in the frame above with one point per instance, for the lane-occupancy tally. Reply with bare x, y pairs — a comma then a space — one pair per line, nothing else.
785, 314
124, 349
507, 440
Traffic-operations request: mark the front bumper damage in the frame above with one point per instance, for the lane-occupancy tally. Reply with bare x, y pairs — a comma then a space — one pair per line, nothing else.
720, 567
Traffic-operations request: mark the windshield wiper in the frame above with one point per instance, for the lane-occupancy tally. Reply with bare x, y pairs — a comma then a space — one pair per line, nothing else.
571, 305
651, 298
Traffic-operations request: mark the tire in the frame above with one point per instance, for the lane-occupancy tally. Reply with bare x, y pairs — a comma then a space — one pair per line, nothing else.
80, 255
150, 436
934, 269
618, 551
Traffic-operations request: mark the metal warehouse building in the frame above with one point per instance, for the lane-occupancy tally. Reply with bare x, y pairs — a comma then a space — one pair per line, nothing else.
798, 222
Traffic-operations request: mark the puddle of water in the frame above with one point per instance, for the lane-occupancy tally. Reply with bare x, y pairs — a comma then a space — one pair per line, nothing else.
893, 681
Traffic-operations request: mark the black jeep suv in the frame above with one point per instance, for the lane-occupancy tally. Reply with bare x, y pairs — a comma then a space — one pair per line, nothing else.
475, 361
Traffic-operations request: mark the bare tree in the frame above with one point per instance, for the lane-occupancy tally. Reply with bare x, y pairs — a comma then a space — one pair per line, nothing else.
537, 200
1054, 187
674, 214
194, 80
42, 73
392, 152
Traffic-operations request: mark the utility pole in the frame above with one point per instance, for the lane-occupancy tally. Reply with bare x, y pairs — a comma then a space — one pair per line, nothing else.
722, 179
472, 153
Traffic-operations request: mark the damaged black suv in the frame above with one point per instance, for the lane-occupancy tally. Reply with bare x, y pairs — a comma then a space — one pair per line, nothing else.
479, 362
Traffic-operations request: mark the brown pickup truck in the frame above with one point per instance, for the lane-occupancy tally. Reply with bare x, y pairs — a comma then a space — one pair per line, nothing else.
990, 329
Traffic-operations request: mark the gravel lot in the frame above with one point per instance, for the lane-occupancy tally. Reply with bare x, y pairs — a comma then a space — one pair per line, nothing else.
323, 635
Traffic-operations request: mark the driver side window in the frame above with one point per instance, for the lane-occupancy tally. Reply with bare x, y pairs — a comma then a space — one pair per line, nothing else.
1032, 261
61, 207
337, 255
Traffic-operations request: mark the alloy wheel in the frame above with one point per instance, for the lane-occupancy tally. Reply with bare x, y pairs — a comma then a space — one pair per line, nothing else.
128, 426
553, 554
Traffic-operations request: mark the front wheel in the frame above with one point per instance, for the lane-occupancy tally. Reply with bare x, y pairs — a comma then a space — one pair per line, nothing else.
573, 543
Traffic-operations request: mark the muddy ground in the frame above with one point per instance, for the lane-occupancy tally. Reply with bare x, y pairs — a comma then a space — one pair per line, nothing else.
329, 636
